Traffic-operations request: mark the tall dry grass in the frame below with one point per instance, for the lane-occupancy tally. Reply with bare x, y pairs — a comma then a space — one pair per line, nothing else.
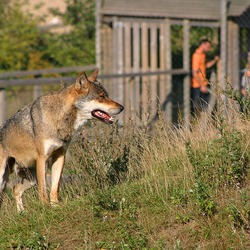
134, 188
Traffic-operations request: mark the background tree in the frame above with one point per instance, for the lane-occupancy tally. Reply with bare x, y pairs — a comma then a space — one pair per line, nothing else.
24, 46
76, 47
20, 38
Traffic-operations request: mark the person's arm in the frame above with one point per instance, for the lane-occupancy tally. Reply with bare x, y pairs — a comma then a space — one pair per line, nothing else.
243, 92
244, 82
212, 62
197, 76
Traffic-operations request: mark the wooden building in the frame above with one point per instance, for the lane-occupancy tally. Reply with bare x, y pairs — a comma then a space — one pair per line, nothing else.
133, 39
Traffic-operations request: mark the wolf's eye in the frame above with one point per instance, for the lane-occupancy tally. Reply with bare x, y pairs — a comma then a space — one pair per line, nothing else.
102, 95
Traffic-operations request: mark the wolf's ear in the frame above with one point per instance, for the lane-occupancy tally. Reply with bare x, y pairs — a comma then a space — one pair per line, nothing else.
82, 83
93, 76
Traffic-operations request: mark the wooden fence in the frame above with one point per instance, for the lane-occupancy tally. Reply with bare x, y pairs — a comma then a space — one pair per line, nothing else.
130, 89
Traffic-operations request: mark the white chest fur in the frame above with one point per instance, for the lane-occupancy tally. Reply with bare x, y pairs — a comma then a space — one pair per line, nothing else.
51, 145
83, 113
81, 118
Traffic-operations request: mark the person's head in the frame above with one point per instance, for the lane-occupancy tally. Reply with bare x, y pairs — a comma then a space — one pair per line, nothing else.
205, 45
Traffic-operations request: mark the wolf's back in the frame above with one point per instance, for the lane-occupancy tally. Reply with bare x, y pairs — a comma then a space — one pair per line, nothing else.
18, 123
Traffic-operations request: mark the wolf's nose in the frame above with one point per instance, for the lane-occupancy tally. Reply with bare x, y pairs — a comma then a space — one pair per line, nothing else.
121, 108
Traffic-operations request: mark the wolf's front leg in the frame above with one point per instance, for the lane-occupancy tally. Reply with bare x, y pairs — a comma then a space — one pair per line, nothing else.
6, 167
41, 180
3, 177
56, 173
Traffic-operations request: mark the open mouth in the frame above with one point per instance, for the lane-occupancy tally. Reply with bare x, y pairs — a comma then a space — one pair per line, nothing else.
101, 115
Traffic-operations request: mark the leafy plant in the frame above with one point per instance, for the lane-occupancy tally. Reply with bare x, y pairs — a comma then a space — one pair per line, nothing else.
240, 219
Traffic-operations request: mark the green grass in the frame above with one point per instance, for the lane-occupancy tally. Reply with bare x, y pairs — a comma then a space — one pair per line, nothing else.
175, 189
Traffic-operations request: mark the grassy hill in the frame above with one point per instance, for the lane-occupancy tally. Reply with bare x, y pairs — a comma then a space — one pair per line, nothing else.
175, 188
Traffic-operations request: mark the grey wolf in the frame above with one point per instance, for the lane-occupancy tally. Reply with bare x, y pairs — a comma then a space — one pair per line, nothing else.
39, 134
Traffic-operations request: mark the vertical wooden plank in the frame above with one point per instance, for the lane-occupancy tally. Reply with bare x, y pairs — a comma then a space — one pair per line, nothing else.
162, 59
223, 42
186, 66
236, 55
2, 106
107, 56
37, 91
136, 68
153, 67
120, 65
145, 79
168, 53
248, 40
109, 59
114, 89
127, 64
106, 61
230, 63
233, 72
104, 49
223, 54
98, 34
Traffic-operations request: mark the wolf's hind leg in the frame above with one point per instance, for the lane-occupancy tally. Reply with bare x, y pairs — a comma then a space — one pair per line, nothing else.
18, 191
28, 181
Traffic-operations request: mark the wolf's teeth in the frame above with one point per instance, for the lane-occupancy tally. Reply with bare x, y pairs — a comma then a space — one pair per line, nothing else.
111, 119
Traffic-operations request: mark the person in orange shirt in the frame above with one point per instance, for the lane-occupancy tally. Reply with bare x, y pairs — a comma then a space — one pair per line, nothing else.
199, 90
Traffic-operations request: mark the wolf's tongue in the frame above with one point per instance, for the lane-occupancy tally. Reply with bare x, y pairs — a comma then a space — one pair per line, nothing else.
101, 115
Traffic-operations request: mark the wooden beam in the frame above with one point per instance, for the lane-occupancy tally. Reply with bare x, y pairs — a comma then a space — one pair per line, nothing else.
67, 80
98, 34
233, 54
168, 112
127, 65
153, 67
2, 106
186, 66
223, 42
119, 83
39, 72
223, 56
145, 79
136, 68
162, 60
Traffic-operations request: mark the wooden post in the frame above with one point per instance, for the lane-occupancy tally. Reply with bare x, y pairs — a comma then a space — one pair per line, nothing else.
168, 112
186, 66
2, 106
136, 68
107, 60
145, 79
37, 91
223, 42
120, 52
114, 91
233, 54
223, 54
127, 64
98, 34
153, 67
162, 59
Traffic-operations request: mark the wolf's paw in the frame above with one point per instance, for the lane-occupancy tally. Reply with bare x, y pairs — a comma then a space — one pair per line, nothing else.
54, 204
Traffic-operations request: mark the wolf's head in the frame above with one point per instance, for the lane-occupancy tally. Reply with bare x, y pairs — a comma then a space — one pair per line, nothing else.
92, 100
